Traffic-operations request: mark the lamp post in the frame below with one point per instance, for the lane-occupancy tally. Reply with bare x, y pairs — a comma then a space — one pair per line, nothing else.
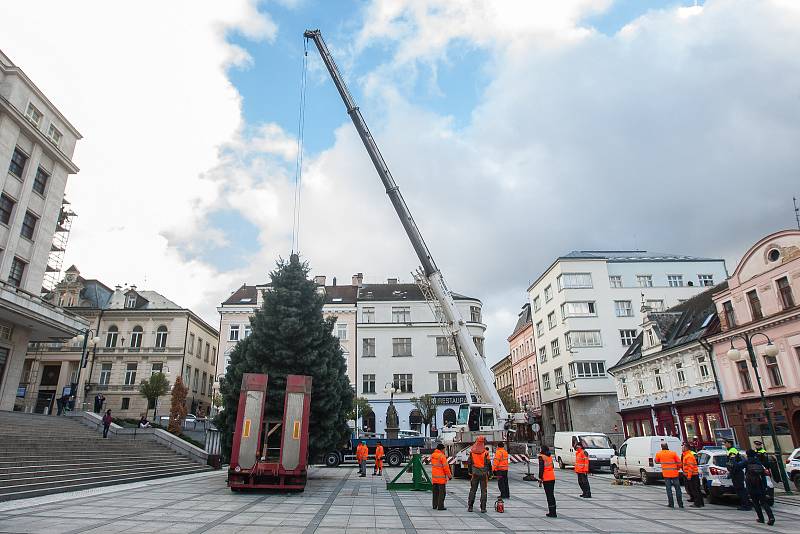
566, 385
770, 350
86, 340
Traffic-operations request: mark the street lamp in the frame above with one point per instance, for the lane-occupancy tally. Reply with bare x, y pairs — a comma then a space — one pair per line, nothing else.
567, 385
86, 340
770, 350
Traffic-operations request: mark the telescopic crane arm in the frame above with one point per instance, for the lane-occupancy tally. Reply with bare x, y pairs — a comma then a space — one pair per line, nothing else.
480, 373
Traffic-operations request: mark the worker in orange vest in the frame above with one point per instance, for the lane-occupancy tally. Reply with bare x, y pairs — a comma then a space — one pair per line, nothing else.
671, 469
440, 474
500, 468
547, 478
480, 467
692, 475
362, 453
378, 470
582, 469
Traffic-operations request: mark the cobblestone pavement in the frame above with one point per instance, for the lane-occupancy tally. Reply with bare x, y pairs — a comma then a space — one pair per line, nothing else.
338, 501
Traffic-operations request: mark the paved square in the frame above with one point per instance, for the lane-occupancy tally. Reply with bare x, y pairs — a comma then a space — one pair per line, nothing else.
338, 501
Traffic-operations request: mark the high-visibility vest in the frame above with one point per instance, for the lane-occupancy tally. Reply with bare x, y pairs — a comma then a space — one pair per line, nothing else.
362, 452
500, 460
689, 464
479, 459
379, 452
670, 463
548, 473
581, 461
440, 469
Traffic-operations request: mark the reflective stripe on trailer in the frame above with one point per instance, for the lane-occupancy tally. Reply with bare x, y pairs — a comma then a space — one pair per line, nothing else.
512, 458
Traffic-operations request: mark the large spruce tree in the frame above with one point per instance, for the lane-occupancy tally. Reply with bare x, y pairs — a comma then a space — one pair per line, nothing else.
290, 336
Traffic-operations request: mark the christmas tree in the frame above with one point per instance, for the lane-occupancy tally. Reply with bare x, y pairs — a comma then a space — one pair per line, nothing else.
290, 336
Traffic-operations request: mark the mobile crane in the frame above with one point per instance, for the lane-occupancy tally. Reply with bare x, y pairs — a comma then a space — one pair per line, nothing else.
488, 416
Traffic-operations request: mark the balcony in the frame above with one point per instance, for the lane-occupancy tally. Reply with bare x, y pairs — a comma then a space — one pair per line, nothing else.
44, 320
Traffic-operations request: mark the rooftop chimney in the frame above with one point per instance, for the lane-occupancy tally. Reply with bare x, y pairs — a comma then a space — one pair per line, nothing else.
319, 280
118, 287
391, 280
358, 279
133, 287
334, 281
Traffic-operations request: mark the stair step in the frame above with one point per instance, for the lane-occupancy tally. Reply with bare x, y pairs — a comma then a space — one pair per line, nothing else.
96, 473
46, 464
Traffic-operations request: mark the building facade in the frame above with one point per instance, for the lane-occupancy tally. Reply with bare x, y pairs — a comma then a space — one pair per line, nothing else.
666, 383
522, 349
36, 147
587, 308
133, 334
763, 296
504, 378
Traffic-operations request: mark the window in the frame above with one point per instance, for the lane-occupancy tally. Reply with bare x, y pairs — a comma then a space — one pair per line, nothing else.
615, 280
199, 347
136, 337
213, 355
680, 373
555, 349
368, 315
702, 368
548, 293
247, 330
540, 329
475, 314
16, 273
188, 381
341, 331
730, 317
706, 279
130, 373
401, 314
29, 225
574, 281
126, 403
18, 161
105, 373
583, 338
675, 280
403, 383
6, 208
205, 354
623, 308
443, 346
644, 280
578, 309
641, 387
478, 344
157, 367
774, 371
658, 381
558, 375
785, 292
368, 347
233, 334
546, 381
587, 369
190, 344
744, 376
196, 379
33, 114
551, 320
755, 305
111, 336
40, 181
161, 337
537, 303
542, 354
401, 346
448, 382
655, 305
368, 384
651, 337
627, 337
203, 383
54, 134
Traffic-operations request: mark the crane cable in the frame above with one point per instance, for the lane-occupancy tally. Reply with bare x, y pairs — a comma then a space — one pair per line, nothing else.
298, 169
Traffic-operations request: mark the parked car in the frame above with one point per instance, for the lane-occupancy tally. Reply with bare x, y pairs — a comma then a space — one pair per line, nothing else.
636, 457
598, 446
712, 465
408, 434
793, 467
190, 418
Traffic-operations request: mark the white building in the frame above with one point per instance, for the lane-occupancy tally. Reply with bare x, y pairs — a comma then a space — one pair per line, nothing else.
401, 343
36, 147
587, 308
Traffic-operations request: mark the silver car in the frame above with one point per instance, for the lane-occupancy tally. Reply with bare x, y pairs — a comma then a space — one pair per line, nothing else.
712, 464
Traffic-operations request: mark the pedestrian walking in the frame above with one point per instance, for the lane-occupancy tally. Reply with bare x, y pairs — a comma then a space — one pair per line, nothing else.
500, 469
582, 469
736, 465
479, 469
99, 400
692, 475
670, 469
362, 453
756, 479
378, 470
440, 474
547, 479
107, 420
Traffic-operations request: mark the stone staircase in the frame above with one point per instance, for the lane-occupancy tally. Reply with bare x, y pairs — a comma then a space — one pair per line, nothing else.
42, 454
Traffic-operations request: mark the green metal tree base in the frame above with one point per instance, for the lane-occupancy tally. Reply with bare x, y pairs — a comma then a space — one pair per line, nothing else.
421, 480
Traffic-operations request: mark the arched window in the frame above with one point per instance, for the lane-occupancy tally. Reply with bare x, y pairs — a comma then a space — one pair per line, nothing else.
111, 336
161, 337
136, 337
449, 417
415, 420
368, 421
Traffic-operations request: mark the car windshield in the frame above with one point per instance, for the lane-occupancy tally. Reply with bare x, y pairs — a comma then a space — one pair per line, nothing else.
463, 414
596, 442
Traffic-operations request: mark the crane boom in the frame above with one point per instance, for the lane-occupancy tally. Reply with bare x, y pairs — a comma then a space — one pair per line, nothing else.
480, 373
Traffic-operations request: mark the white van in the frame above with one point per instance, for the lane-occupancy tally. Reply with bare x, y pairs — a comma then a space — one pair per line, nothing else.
596, 444
636, 457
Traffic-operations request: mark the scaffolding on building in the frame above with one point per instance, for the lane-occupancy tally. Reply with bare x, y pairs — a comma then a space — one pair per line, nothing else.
55, 260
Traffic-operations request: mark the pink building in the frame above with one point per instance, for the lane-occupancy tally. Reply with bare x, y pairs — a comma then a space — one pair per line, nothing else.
523, 364
762, 297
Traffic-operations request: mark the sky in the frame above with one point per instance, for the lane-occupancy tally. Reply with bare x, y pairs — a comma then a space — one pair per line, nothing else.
518, 130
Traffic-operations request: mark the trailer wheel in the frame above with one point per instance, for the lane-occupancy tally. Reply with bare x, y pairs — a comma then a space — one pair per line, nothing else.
332, 459
394, 458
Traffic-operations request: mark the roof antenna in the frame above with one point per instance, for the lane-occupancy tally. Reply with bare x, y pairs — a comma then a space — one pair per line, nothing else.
796, 212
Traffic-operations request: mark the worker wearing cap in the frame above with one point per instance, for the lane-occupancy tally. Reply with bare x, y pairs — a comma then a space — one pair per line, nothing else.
362, 453
440, 474
480, 466
379, 454
692, 475
765, 459
500, 468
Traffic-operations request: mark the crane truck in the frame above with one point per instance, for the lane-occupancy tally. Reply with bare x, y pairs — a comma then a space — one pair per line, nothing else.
483, 413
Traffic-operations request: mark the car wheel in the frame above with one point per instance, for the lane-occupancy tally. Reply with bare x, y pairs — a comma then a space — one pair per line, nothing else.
714, 495
615, 472
394, 458
644, 477
704, 488
796, 480
332, 459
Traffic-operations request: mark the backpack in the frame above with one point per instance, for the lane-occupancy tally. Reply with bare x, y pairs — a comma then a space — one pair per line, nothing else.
754, 476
